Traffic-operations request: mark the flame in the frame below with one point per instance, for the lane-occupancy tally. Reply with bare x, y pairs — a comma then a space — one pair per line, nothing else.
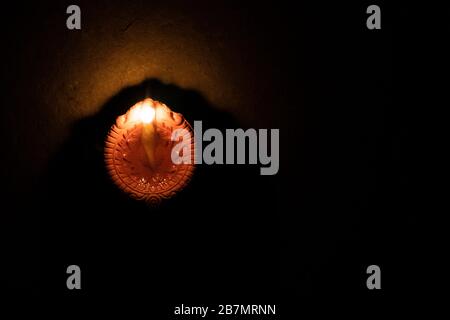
142, 112
146, 112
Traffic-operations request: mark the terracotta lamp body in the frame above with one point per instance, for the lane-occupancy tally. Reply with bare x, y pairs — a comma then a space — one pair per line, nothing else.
138, 152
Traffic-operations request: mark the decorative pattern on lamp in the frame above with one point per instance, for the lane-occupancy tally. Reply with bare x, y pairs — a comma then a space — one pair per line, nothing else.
138, 152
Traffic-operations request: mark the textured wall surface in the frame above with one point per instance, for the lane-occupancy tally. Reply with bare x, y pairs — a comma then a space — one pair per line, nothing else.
218, 50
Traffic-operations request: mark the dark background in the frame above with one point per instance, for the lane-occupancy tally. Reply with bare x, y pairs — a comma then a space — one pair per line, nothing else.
344, 197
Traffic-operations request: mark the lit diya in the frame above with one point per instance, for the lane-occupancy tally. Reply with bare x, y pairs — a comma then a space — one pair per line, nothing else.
139, 152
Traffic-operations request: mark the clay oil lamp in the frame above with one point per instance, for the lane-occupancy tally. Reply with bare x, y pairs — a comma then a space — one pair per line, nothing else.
138, 152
